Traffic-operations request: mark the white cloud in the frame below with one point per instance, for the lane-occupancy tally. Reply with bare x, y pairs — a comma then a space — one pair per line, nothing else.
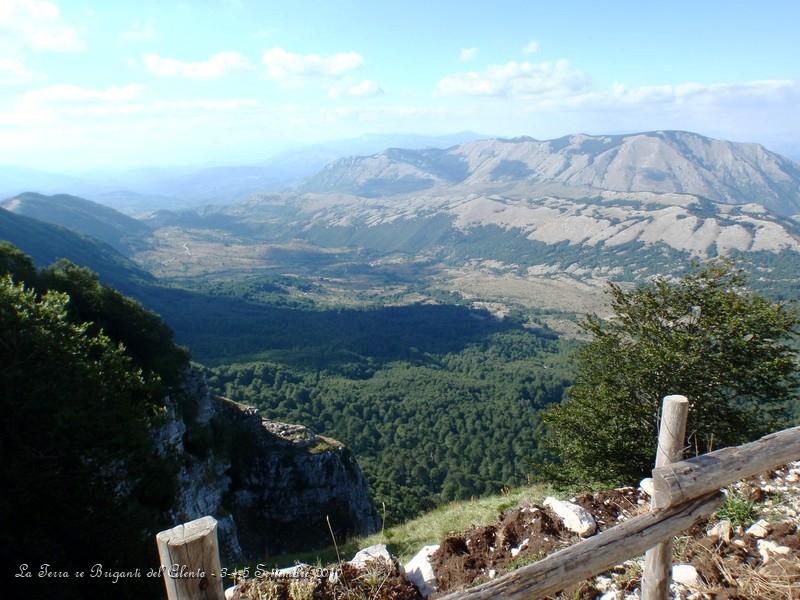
39, 24
13, 72
531, 47
292, 68
140, 32
467, 54
216, 66
518, 79
694, 95
362, 89
559, 86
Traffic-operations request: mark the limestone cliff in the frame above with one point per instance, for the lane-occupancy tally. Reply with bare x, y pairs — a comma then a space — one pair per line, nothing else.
270, 485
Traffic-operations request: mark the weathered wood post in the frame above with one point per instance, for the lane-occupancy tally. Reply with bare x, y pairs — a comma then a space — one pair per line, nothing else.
190, 561
671, 435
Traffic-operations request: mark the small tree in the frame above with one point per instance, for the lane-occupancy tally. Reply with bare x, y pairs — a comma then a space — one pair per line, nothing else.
707, 337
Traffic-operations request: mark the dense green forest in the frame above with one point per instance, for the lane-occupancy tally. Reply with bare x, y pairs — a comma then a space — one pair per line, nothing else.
429, 427
85, 371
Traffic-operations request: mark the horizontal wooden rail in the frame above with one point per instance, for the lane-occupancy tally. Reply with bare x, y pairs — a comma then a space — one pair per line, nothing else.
594, 555
676, 483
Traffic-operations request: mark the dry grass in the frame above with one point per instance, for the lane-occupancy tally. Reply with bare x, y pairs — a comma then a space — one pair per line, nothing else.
406, 539
778, 579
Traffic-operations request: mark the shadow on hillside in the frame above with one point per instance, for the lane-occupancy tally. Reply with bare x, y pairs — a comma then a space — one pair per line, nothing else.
223, 330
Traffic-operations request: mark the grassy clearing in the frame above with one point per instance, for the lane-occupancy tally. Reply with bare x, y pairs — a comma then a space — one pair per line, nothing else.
431, 528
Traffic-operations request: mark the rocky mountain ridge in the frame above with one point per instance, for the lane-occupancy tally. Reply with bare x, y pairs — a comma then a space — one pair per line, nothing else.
676, 162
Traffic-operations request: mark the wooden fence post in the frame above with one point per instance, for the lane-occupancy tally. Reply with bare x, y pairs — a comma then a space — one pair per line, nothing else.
190, 561
671, 434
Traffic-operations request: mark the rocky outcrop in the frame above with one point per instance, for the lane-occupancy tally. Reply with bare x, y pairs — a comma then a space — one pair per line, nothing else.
272, 486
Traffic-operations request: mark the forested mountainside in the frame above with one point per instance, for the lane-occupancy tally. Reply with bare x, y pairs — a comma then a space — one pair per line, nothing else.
82, 216
109, 435
454, 370
46, 243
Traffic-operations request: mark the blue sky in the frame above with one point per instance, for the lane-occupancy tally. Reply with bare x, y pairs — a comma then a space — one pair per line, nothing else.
88, 85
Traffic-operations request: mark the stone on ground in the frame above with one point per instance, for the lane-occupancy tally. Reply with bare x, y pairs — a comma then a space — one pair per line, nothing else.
686, 575
575, 518
646, 485
369, 553
419, 570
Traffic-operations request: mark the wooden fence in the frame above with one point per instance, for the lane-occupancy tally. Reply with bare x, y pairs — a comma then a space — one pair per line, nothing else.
684, 491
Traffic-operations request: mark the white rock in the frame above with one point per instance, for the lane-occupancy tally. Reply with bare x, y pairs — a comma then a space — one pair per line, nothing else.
721, 531
232, 593
362, 557
575, 518
492, 573
686, 575
419, 571
758, 529
766, 548
646, 486
603, 583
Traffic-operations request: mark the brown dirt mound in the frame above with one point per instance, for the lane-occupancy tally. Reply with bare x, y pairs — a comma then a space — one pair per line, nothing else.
521, 536
609, 507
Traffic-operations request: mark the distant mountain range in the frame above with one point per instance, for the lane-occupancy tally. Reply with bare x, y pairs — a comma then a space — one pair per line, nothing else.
661, 161
146, 189
622, 207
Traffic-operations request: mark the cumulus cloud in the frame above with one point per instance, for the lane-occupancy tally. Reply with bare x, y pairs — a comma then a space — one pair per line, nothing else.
292, 68
518, 79
531, 47
216, 66
362, 89
467, 54
560, 86
140, 32
13, 72
38, 23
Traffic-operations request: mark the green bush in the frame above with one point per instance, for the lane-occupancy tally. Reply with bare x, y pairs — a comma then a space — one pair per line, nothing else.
707, 337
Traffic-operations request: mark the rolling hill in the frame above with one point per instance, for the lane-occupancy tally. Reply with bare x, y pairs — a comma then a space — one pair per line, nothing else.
46, 243
81, 216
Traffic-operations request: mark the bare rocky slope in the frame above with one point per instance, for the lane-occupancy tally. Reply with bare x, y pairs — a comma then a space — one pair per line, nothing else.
623, 206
